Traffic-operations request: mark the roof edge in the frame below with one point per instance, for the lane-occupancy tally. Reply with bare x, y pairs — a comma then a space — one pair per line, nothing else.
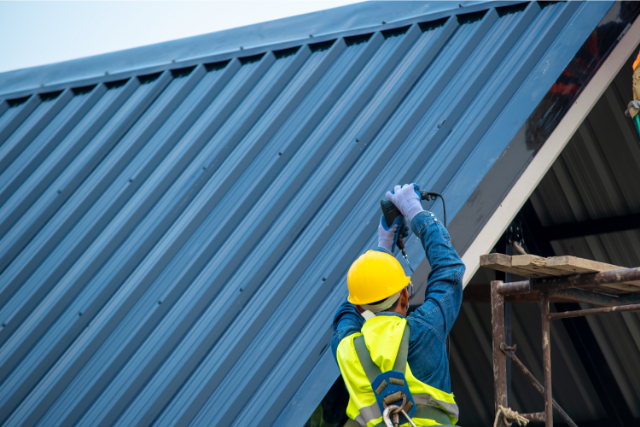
549, 152
283, 33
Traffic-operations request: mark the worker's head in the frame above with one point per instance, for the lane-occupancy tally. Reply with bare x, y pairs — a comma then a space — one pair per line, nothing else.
377, 283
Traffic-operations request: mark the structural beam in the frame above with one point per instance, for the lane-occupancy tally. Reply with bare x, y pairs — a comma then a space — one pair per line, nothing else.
589, 228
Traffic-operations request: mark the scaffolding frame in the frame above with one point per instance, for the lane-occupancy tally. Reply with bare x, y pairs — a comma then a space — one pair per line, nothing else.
545, 290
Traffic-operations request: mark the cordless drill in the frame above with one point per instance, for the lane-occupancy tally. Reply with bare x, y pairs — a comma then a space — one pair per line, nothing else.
391, 212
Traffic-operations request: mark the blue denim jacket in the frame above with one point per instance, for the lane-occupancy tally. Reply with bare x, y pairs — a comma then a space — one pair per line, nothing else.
430, 323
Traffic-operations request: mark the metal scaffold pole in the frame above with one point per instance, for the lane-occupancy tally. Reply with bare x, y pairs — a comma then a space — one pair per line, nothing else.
499, 358
546, 358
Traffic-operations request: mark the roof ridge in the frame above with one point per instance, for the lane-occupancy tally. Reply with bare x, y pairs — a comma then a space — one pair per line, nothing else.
249, 40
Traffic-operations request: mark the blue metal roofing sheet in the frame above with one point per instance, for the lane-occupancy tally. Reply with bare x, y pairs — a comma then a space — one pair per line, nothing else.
172, 241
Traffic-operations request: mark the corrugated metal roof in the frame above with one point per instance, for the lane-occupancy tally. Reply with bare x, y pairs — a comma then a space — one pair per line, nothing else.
173, 245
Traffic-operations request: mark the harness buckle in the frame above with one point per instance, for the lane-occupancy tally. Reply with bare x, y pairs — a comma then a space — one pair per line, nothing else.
390, 388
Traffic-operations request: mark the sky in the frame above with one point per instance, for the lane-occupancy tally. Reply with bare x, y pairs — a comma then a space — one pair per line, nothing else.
43, 32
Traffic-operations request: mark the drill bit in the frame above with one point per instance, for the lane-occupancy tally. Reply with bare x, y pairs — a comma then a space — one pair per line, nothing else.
400, 243
404, 254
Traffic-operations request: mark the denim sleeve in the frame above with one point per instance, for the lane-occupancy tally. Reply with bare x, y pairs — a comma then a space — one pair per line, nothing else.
443, 296
432, 321
347, 321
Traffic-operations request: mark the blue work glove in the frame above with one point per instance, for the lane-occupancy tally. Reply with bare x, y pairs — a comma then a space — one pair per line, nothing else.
388, 236
407, 200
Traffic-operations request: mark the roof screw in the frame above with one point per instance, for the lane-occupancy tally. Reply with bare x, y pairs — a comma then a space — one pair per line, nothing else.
79, 313
59, 191
310, 35
279, 153
106, 73
159, 302
460, 5
130, 179
4, 325
241, 48
241, 289
357, 139
384, 22
324, 279
173, 61
41, 84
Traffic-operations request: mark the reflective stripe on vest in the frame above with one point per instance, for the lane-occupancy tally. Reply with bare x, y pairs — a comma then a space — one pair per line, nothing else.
382, 335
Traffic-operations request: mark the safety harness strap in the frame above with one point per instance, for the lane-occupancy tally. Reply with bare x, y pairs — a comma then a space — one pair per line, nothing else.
352, 423
371, 369
403, 352
431, 413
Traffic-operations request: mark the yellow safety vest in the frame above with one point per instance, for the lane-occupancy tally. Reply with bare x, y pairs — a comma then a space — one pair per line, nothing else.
382, 336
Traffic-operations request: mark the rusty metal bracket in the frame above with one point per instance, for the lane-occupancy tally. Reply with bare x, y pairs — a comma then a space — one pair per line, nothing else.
584, 280
592, 311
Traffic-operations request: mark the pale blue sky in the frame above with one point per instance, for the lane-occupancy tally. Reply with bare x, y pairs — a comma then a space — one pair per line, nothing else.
37, 33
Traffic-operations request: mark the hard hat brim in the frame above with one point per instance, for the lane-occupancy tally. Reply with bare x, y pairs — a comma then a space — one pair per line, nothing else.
391, 291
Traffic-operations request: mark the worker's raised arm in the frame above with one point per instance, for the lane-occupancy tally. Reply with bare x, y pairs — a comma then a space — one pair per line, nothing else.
443, 295
444, 287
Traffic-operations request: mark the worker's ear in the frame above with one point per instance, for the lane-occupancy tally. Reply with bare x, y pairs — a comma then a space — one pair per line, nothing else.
360, 309
404, 298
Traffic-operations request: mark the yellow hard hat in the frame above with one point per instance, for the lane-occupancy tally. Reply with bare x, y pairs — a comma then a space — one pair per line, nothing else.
373, 277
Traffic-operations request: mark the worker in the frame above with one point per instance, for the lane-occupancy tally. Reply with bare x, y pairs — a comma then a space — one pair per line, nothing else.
376, 309
634, 106
557, 101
